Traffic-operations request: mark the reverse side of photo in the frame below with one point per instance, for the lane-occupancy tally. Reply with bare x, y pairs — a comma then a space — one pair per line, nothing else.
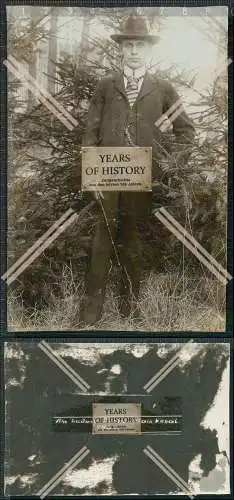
117, 168
73, 412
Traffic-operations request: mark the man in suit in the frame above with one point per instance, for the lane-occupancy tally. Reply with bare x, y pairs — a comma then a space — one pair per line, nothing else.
123, 111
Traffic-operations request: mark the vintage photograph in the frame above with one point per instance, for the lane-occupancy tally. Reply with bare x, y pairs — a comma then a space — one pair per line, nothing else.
117, 168
79, 415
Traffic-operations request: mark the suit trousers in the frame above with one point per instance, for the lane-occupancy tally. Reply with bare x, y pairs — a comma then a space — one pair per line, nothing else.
122, 217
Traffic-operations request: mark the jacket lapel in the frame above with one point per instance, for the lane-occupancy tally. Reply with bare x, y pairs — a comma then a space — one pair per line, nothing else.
119, 84
148, 86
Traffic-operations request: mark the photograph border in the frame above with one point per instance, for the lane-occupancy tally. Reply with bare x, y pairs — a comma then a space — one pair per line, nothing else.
136, 340
4, 146
105, 336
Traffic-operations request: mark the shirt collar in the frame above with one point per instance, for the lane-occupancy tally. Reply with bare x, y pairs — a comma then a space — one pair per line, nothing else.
138, 73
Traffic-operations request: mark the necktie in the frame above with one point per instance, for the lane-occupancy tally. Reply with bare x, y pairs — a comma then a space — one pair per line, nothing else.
132, 83
132, 89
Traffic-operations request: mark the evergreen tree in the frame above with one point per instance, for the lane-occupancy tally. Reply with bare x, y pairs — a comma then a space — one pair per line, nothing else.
52, 155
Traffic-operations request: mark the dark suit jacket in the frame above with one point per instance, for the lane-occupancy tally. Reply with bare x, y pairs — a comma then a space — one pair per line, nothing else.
110, 110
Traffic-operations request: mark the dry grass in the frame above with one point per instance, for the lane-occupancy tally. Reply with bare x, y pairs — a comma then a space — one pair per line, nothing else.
168, 302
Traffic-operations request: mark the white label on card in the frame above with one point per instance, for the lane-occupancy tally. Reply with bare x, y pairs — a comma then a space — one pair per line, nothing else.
116, 418
116, 169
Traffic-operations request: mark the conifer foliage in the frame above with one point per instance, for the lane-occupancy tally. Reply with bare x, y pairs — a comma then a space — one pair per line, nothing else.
45, 168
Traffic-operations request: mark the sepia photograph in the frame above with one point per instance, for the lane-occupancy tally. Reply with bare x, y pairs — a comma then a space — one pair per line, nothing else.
115, 419
117, 168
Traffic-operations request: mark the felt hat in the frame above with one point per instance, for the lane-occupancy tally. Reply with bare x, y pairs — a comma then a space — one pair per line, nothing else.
135, 27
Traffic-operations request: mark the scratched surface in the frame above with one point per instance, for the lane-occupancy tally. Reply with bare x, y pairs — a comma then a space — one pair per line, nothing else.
36, 388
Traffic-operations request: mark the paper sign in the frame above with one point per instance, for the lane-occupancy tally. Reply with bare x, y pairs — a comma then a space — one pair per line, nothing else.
116, 169
118, 418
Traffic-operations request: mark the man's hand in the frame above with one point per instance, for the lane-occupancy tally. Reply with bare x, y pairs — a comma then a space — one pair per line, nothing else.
98, 195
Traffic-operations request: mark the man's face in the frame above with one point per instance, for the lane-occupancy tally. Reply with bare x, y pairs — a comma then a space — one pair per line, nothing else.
135, 52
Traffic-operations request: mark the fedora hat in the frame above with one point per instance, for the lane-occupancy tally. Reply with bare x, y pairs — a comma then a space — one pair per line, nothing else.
135, 27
